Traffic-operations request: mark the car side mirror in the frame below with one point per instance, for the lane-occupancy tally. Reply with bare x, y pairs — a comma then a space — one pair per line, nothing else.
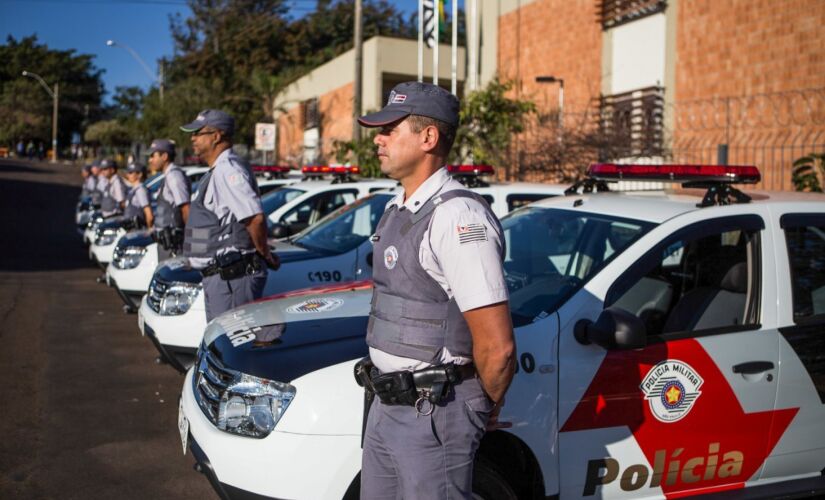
615, 328
279, 230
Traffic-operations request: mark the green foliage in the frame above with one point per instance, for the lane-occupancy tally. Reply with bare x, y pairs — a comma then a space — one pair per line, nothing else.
361, 153
808, 173
108, 133
489, 119
26, 107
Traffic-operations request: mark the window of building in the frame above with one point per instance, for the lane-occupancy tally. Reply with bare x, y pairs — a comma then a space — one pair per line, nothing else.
613, 13
311, 116
632, 123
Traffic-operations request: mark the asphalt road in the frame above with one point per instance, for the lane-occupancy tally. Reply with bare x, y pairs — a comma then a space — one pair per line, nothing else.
84, 410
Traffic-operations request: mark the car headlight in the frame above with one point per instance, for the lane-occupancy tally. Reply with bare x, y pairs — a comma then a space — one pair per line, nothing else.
107, 237
179, 298
128, 257
252, 406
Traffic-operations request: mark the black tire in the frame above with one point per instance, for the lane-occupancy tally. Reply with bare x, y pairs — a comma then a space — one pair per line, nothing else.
488, 484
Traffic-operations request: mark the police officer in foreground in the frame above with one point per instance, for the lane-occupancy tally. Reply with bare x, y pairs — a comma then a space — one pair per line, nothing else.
225, 234
138, 208
440, 335
174, 196
114, 190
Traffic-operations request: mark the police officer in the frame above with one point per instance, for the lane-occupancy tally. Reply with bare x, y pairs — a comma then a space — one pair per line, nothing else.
92, 184
225, 234
439, 334
114, 190
174, 195
88, 182
138, 209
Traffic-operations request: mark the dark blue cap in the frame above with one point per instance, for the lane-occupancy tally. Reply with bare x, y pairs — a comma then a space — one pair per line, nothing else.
134, 167
87, 167
96, 162
415, 98
108, 163
162, 146
212, 118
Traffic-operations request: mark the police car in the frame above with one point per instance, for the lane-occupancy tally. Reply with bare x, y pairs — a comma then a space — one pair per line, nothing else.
335, 250
669, 344
134, 255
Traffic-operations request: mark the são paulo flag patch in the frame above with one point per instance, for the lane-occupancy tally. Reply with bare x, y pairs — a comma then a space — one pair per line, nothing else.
471, 232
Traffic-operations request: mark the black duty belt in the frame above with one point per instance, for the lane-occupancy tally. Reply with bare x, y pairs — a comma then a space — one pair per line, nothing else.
421, 389
233, 265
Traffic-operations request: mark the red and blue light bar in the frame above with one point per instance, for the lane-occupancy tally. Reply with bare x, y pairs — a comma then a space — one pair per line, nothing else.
729, 174
276, 169
471, 169
328, 169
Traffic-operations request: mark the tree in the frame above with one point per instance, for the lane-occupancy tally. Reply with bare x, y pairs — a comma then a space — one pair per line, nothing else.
489, 119
109, 134
27, 109
808, 173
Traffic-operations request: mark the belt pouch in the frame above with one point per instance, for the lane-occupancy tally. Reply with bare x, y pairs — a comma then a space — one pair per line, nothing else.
231, 265
396, 388
433, 383
363, 368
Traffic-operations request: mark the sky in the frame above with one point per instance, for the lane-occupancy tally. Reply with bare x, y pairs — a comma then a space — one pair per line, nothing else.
86, 25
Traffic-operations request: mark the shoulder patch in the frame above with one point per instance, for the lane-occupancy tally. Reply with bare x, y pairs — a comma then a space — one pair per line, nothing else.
472, 232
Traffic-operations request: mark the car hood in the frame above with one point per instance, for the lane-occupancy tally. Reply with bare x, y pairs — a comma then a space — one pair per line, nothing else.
139, 238
287, 336
178, 269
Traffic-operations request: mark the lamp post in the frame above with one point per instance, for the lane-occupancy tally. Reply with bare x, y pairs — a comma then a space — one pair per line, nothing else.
553, 79
55, 95
158, 78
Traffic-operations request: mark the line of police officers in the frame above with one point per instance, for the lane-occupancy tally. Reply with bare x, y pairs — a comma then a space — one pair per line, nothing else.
440, 338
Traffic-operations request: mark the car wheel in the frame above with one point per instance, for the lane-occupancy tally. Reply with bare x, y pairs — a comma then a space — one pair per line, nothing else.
488, 483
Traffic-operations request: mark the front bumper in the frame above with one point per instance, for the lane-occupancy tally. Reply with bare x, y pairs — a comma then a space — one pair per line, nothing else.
175, 337
103, 254
130, 299
281, 465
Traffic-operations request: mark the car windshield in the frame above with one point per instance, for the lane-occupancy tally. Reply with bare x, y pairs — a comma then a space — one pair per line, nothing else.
347, 227
276, 199
552, 253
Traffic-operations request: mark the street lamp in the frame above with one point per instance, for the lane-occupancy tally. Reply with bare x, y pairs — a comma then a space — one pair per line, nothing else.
158, 78
55, 94
553, 79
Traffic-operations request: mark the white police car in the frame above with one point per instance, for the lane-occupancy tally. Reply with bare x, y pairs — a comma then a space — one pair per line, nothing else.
337, 249
135, 254
670, 344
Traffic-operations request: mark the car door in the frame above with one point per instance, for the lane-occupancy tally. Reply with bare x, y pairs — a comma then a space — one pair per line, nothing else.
688, 412
800, 246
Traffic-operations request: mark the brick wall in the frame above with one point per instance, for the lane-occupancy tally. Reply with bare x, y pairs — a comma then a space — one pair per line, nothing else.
739, 69
291, 136
336, 119
553, 37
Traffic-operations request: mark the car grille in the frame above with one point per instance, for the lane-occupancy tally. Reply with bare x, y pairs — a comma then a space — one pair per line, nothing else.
210, 382
157, 290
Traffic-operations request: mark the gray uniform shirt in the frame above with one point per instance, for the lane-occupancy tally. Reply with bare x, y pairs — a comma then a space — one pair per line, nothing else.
231, 190
468, 268
90, 183
175, 189
141, 196
117, 188
102, 183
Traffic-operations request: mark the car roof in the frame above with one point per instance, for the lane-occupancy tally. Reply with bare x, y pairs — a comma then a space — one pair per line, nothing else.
322, 184
660, 205
524, 187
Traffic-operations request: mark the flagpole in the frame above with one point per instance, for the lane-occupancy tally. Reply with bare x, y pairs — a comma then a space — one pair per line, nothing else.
420, 40
454, 83
436, 26
472, 45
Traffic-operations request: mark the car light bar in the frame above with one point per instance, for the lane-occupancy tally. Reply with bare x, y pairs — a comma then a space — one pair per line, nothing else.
471, 169
278, 169
728, 174
327, 169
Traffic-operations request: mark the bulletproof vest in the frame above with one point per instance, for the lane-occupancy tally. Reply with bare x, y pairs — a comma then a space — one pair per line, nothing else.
411, 315
204, 235
132, 211
95, 194
108, 205
166, 214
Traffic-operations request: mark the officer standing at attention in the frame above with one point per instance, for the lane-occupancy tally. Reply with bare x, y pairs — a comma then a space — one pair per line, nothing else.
174, 196
225, 234
138, 208
439, 333
114, 192
92, 183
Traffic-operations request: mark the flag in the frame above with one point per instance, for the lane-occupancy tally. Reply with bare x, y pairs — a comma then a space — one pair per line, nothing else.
429, 21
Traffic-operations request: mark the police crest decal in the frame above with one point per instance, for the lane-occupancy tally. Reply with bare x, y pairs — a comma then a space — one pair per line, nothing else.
390, 257
671, 388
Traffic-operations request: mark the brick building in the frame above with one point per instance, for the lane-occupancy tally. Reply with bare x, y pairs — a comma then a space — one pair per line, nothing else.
651, 80
675, 79
316, 110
